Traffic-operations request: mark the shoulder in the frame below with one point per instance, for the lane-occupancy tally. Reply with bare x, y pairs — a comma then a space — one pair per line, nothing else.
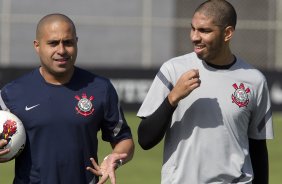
183, 59
19, 88
86, 74
91, 78
249, 71
250, 75
23, 81
181, 63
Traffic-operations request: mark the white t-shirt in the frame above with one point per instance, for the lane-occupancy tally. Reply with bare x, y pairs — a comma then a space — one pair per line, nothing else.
208, 138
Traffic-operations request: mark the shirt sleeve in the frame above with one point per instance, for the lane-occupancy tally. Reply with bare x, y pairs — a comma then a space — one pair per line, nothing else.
2, 103
160, 88
261, 121
114, 126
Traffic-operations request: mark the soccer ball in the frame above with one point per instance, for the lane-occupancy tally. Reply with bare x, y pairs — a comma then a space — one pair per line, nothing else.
12, 129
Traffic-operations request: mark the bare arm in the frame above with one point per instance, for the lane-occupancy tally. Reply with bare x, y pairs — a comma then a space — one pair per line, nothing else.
124, 146
122, 153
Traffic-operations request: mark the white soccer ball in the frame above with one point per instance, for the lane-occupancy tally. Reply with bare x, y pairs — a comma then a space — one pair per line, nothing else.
12, 129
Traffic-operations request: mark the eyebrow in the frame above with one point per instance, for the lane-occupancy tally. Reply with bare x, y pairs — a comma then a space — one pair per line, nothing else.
207, 28
63, 40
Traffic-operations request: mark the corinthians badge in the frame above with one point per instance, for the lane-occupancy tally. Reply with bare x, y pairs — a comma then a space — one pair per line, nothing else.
240, 96
84, 105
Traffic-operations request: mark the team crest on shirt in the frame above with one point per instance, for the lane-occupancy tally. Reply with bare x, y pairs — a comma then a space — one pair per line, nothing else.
240, 96
84, 105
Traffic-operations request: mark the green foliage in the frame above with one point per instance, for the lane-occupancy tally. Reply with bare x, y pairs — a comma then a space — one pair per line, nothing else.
146, 165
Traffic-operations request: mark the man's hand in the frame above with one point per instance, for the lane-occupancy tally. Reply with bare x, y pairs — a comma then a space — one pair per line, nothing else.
107, 168
188, 81
3, 142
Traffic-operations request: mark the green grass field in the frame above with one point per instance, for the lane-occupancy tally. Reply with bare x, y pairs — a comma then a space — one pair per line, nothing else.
146, 165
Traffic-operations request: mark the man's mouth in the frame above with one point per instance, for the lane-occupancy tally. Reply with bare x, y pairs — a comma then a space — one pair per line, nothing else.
198, 48
61, 60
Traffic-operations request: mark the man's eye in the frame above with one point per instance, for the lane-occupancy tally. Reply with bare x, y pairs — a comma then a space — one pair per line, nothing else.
53, 44
205, 31
68, 43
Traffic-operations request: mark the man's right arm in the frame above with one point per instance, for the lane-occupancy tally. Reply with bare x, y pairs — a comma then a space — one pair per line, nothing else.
152, 128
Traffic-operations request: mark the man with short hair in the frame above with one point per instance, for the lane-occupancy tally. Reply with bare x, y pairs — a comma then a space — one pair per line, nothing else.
62, 108
212, 107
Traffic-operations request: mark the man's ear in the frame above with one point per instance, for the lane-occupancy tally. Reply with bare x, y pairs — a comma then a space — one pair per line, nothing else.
228, 33
36, 45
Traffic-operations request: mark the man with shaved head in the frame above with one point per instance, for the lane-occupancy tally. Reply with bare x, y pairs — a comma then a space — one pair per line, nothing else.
212, 107
62, 108
53, 18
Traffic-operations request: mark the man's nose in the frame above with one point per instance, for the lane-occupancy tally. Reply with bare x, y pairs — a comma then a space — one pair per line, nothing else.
61, 48
195, 36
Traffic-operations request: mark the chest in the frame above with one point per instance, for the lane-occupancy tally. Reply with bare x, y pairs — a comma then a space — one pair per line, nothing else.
60, 108
222, 98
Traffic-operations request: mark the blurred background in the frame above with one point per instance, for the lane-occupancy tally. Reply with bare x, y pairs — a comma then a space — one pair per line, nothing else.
128, 40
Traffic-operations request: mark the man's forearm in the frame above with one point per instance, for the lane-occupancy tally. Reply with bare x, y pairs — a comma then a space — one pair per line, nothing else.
125, 146
259, 157
153, 128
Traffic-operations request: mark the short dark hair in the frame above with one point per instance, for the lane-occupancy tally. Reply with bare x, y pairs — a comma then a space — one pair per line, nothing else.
223, 12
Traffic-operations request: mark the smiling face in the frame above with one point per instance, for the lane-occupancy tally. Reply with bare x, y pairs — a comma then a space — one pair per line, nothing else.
56, 45
207, 37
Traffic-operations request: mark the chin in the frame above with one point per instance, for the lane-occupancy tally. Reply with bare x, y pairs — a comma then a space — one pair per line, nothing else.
201, 56
205, 57
62, 71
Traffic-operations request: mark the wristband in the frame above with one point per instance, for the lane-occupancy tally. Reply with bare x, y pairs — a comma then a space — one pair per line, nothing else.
119, 163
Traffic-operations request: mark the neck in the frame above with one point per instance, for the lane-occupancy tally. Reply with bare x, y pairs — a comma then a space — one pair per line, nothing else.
222, 67
225, 60
224, 57
56, 79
